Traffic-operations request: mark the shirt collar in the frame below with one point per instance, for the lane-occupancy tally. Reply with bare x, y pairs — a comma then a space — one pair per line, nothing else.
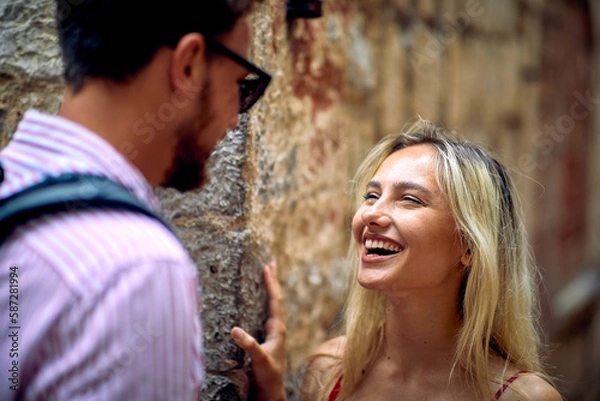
77, 149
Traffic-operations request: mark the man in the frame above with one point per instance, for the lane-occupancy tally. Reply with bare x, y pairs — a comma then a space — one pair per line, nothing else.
106, 298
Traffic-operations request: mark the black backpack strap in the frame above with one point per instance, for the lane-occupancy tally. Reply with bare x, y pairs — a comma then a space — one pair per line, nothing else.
68, 192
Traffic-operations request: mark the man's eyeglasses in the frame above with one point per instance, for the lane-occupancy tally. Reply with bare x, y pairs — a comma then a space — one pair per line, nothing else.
254, 85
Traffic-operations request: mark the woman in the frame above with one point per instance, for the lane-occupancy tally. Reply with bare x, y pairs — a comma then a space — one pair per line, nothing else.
442, 306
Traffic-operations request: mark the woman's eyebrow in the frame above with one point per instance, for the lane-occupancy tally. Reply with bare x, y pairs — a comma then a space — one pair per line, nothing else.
404, 185
400, 186
374, 184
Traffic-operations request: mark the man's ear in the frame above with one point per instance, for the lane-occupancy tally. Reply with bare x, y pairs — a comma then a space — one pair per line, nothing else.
189, 65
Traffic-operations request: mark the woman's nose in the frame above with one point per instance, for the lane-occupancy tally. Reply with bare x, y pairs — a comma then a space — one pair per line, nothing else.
376, 215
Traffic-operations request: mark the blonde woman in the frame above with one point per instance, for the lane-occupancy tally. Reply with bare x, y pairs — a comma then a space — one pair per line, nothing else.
442, 306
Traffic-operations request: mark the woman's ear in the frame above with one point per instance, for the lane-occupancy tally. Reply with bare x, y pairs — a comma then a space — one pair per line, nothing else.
467, 257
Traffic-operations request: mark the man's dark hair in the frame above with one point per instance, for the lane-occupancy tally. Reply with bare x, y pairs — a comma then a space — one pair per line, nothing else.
115, 38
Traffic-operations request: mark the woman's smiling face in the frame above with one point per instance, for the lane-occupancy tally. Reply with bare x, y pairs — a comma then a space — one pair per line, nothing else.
404, 230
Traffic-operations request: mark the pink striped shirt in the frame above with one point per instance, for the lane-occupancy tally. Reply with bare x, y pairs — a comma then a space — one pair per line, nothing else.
106, 304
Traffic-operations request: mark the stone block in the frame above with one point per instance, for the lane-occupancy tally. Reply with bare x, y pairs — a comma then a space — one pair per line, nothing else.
218, 255
30, 65
220, 388
229, 266
19, 55
224, 192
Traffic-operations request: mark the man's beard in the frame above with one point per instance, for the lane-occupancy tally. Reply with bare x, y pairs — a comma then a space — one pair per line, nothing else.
190, 162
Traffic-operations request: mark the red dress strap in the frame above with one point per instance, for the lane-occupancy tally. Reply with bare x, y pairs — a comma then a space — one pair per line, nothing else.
505, 385
336, 390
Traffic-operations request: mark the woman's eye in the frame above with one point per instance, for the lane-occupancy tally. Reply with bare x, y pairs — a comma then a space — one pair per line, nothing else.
412, 199
370, 195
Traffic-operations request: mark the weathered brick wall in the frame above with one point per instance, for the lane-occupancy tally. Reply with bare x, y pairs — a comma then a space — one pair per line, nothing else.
497, 71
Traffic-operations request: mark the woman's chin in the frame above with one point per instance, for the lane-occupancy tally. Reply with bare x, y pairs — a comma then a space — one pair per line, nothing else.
370, 281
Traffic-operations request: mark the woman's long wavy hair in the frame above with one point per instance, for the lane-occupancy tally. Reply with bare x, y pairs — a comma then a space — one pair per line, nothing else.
497, 301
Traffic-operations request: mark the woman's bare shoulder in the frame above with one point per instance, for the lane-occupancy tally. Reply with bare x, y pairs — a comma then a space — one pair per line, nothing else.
536, 388
333, 347
327, 355
322, 364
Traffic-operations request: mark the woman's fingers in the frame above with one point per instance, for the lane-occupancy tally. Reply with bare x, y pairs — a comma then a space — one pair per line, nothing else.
275, 325
246, 342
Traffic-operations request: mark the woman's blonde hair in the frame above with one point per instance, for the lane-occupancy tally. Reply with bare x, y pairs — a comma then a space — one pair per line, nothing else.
497, 301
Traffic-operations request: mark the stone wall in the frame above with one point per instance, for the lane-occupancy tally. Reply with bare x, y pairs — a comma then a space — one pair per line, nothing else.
30, 66
503, 73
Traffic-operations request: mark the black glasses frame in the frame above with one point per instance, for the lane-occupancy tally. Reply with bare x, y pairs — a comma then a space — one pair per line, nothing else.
251, 89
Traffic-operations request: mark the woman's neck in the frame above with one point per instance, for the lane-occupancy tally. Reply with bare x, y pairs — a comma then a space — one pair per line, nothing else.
420, 333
